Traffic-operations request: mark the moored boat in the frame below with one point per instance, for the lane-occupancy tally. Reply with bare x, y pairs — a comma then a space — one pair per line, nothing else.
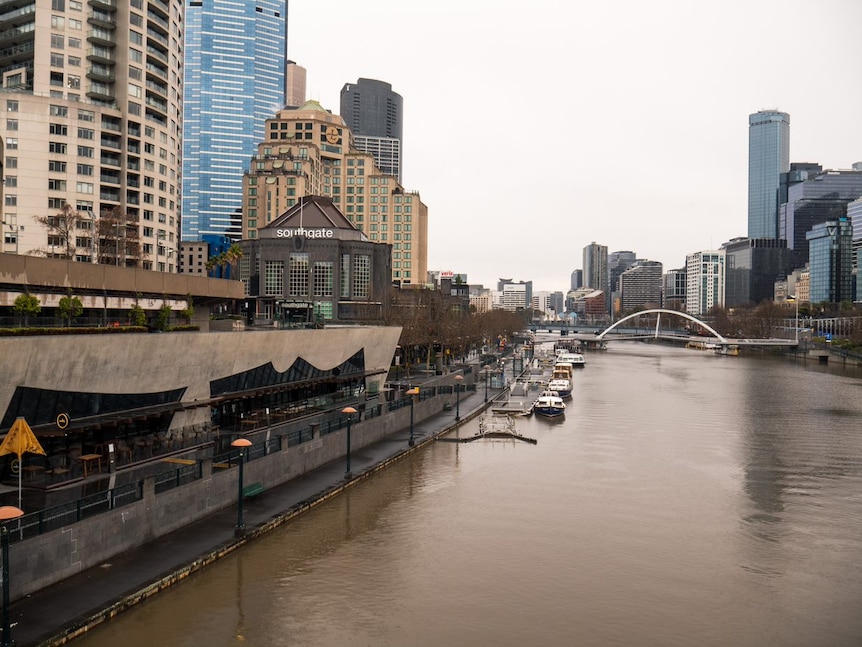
562, 386
549, 404
575, 359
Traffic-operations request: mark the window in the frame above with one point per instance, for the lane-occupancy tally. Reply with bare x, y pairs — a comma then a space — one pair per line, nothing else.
85, 187
361, 275
57, 60
11, 143
58, 129
11, 105
55, 166
274, 278
75, 24
11, 162
85, 169
74, 43
323, 272
58, 22
74, 61
86, 133
11, 124
86, 115
86, 151
56, 185
11, 181
11, 200
345, 276
298, 274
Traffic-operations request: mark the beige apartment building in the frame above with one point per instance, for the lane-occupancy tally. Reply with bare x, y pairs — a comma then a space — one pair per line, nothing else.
310, 151
91, 124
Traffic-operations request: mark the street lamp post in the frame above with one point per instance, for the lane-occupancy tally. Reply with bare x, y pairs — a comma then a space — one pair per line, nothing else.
349, 411
241, 444
485, 370
792, 297
7, 512
412, 392
458, 380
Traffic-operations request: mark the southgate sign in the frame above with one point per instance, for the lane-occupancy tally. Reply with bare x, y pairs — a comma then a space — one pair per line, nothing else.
302, 231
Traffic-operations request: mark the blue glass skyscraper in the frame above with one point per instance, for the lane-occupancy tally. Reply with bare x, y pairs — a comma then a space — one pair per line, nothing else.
768, 158
235, 61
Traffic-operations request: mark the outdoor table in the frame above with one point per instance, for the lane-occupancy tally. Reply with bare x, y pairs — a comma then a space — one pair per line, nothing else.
86, 459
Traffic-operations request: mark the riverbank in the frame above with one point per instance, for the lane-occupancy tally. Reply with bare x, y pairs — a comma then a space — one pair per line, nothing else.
61, 612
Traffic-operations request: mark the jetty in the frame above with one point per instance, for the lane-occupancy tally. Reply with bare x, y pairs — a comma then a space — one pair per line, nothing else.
493, 427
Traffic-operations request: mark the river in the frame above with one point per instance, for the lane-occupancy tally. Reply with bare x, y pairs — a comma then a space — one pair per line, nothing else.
685, 499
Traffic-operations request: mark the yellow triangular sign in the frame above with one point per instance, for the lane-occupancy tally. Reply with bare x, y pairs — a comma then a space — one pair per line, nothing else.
20, 439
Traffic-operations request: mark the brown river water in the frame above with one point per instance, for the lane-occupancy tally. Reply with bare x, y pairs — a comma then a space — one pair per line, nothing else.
685, 499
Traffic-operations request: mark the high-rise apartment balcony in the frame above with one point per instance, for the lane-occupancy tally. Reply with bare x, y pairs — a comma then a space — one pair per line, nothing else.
101, 37
106, 5
103, 73
19, 34
101, 55
103, 20
101, 91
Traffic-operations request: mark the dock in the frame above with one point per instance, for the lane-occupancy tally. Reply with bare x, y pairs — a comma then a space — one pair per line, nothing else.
493, 427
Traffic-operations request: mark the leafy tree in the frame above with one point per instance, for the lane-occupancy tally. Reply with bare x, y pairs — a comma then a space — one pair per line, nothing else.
189, 311
137, 316
163, 317
70, 307
27, 305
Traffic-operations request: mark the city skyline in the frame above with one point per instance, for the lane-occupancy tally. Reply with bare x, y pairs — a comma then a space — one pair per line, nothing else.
638, 111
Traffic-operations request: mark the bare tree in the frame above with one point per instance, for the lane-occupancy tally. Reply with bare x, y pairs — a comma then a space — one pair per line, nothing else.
61, 230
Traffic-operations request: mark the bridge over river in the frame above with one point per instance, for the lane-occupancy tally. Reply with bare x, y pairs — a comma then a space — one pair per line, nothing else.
624, 330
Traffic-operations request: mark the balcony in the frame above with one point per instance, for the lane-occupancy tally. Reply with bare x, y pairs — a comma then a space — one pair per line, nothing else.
103, 73
101, 37
106, 5
100, 91
101, 55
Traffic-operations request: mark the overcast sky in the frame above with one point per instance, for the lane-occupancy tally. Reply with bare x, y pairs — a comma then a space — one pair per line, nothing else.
627, 120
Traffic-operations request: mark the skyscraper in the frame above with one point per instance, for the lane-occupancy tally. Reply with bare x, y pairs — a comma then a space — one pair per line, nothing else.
704, 281
374, 114
596, 267
768, 158
235, 61
831, 251
91, 121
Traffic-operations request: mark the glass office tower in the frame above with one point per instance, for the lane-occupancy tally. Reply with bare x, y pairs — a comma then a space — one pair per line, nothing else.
768, 158
235, 62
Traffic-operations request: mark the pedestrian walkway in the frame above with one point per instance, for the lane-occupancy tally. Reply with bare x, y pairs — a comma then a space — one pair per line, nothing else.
64, 610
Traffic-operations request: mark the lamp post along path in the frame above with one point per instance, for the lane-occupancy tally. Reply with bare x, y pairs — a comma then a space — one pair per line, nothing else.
241, 444
349, 411
412, 392
7, 512
458, 380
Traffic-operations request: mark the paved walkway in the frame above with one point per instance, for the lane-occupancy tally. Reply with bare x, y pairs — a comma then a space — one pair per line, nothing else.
62, 611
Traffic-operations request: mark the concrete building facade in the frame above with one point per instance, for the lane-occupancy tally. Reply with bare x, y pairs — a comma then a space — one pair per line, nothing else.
310, 151
92, 126
704, 281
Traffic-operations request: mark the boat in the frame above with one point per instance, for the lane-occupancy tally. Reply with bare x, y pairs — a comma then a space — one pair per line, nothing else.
561, 386
577, 360
549, 404
561, 380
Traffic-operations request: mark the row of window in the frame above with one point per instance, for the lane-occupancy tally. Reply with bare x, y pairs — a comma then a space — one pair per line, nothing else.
321, 274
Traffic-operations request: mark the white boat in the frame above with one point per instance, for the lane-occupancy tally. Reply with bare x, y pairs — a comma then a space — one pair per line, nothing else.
575, 359
549, 404
562, 387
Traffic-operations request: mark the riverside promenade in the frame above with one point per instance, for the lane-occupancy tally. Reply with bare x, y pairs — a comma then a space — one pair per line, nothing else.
61, 612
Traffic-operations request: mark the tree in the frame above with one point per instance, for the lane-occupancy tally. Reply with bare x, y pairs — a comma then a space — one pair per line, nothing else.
61, 232
189, 311
70, 307
163, 317
27, 305
232, 256
137, 316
